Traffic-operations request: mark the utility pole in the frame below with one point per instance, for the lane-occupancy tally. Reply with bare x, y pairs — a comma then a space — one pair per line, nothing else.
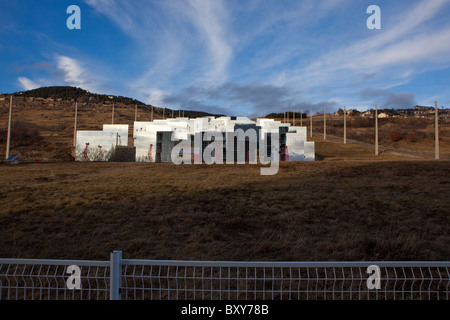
152, 113
324, 124
293, 118
436, 133
8, 139
164, 111
75, 126
301, 118
310, 127
376, 130
135, 113
112, 118
345, 126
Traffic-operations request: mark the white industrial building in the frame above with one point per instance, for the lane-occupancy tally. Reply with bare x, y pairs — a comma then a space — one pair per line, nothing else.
99, 145
154, 141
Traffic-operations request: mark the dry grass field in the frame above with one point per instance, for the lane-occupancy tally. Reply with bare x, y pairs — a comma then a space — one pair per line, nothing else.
415, 135
348, 205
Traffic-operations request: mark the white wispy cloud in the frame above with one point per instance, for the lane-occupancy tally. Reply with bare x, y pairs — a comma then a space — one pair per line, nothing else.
211, 20
402, 50
174, 38
28, 84
74, 74
306, 44
64, 70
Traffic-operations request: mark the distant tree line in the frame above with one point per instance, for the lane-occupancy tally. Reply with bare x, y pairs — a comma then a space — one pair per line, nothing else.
288, 114
77, 94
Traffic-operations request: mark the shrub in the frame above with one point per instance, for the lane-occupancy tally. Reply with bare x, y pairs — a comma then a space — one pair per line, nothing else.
361, 122
415, 136
395, 136
24, 133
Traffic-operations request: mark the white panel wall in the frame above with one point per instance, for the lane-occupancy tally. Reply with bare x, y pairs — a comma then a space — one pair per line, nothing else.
309, 151
295, 146
142, 142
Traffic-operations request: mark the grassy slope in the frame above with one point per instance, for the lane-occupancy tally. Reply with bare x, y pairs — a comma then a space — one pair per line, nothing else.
350, 206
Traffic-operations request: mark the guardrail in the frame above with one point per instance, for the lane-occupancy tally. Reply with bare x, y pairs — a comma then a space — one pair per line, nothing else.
125, 279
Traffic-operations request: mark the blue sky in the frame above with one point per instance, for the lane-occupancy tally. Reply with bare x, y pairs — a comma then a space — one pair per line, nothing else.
237, 57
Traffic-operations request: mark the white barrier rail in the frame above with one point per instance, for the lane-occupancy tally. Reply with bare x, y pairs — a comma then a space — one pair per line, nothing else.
125, 279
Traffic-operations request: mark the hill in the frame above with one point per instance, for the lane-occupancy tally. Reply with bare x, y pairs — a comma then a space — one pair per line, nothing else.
43, 119
74, 94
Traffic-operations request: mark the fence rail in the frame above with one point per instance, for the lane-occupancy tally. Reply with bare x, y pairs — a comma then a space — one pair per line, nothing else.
125, 279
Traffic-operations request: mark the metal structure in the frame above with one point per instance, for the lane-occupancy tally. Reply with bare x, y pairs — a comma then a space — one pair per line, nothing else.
124, 279
100, 154
85, 153
13, 159
150, 158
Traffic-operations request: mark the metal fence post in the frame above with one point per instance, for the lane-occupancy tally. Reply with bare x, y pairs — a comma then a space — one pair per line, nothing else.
116, 275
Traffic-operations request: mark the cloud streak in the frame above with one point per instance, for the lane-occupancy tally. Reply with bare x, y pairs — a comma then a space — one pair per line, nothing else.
73, 73
254, 56
28, 84
257, 98
388, 99
171, 33
65, 71
408, 42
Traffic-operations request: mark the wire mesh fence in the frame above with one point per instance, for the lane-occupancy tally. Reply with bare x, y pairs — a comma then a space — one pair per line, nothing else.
217, 280
48, 280
281, 281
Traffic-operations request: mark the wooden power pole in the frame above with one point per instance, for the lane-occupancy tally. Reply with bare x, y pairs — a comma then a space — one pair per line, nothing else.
376, 130
112, 117
75, 126
436, 131
8, 139
345, 126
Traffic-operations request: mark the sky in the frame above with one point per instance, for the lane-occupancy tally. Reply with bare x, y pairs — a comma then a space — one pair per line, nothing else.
233, 57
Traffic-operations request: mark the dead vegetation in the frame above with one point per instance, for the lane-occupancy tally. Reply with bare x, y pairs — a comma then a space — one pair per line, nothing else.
347, 207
